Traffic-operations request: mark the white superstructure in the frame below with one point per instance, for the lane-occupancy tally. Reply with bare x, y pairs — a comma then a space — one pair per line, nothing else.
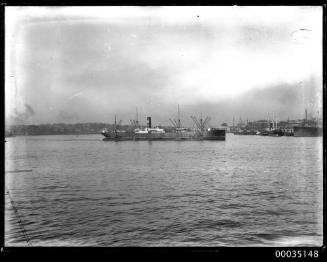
149, 130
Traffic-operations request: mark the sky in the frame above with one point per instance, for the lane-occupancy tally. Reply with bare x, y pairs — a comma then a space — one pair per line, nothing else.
86, 64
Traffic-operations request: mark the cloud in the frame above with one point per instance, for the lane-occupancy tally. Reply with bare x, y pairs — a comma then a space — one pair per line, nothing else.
81, 64
67, 117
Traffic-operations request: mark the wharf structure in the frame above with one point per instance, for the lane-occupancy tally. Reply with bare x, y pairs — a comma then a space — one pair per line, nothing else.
272, 127
307, 127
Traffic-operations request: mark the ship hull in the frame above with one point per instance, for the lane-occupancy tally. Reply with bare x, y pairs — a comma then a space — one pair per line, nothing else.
306, 131
219, 135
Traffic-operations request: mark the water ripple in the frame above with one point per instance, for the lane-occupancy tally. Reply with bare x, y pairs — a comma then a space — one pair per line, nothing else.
247, 191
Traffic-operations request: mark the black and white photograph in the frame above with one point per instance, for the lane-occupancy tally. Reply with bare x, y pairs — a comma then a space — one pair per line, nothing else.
163, 126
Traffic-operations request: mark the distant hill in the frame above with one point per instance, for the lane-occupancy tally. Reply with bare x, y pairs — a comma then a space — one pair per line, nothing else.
62, 129
56, 129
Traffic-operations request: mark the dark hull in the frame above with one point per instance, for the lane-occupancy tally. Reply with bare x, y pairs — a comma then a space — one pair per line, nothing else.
307, 131
164, 139
276, 133
219, 135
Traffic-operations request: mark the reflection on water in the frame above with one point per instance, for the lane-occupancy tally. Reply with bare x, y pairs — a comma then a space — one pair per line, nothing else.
245, 191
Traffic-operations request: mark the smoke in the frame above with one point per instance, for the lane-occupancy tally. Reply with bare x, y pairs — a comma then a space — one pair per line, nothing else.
29, 111
22, 116
286, 100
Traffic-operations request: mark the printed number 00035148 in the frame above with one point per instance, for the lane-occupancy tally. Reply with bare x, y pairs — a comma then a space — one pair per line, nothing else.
296, 253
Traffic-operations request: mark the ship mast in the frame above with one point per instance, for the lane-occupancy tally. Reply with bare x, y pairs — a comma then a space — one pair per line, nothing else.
115, 128
178, 118
273, 120
137, 118
177, 122
306, 116
233, 124
201, 124
276, 120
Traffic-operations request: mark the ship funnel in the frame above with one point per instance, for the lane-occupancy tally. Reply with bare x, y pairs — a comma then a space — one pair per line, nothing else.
149, 121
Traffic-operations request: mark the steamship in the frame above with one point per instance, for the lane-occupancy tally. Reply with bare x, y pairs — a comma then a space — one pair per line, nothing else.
155, 133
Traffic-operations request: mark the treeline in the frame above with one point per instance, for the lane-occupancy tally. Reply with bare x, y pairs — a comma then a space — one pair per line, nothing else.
56, 129
63, 129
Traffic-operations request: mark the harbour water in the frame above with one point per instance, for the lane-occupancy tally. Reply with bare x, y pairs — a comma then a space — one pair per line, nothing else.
81, 191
